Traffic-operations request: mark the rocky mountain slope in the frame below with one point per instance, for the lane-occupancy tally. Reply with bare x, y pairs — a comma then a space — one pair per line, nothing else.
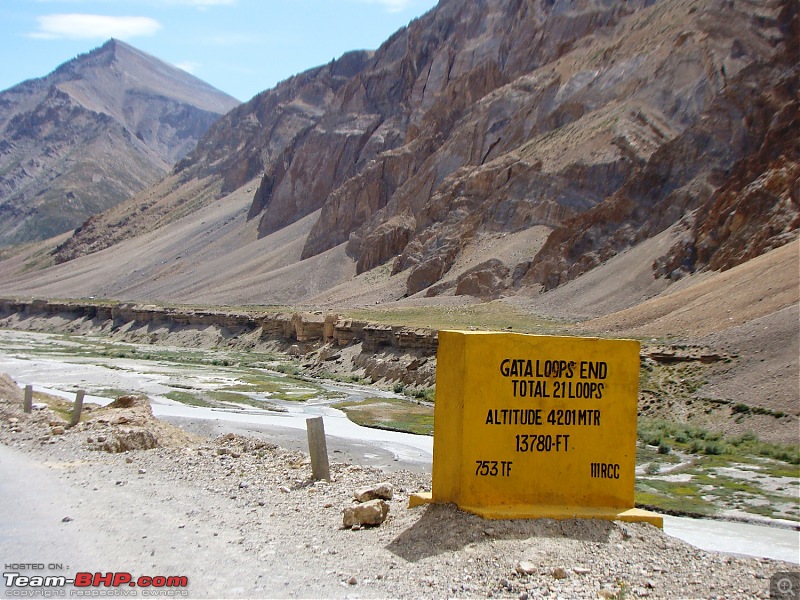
580, 128
94, 132
505, 131
238, 148
733, 177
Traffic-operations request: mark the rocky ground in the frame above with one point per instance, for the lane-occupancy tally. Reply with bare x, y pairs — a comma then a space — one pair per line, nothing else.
241, 517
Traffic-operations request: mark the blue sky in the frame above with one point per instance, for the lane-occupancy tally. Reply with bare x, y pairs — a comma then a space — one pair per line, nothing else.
241, 47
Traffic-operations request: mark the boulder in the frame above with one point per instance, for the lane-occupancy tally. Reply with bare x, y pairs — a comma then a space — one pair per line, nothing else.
425, 274
367, 514
387, 240
526, 567
559, 573
485, 281
383, 491
129, 401
129, 439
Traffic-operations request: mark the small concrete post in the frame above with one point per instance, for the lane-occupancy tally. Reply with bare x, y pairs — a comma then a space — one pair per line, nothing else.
318, 448
77, 408
27, 405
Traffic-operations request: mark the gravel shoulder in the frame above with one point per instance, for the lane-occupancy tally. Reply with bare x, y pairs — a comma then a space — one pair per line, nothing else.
241, 517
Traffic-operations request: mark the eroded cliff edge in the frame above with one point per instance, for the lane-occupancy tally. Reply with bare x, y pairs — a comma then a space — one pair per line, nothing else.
332, 343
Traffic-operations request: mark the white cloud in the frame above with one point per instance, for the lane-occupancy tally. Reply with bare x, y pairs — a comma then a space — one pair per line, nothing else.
82, 26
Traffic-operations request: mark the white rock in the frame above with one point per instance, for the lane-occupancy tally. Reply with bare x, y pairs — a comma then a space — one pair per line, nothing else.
370, 513
525, 567
383, 491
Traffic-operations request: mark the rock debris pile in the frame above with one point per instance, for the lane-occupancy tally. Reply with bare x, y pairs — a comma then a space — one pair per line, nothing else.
371, 509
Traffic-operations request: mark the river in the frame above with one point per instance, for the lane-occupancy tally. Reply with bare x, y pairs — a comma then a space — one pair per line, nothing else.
60, 374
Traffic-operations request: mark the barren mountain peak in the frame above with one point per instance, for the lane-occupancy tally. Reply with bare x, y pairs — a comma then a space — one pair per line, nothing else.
91, 134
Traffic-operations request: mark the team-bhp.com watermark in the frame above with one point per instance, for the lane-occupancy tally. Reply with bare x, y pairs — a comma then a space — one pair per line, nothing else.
92, 585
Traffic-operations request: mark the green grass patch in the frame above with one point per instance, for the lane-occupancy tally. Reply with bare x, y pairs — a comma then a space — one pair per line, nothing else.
278, 387
292, 396
187, 398
113, 393
227, 397
672, 497
423, 394
698, 440
259, 384
61, 406
706, 453
775, 469
669, 502
390, 413
231, 397
289, 369
650, 453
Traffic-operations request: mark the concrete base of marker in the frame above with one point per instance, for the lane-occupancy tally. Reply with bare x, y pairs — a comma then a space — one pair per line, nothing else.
419, 498
630, 515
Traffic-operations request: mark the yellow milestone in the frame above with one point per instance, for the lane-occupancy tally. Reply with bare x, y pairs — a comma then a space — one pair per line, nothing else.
530, 426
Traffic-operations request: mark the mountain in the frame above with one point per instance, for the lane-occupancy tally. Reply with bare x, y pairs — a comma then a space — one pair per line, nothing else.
489, 149
239, 147
92, 133
591, 124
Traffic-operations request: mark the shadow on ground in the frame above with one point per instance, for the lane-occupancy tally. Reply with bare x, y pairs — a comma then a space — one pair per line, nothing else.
445, 528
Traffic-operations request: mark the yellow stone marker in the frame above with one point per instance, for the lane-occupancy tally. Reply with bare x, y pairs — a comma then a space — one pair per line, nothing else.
529, 426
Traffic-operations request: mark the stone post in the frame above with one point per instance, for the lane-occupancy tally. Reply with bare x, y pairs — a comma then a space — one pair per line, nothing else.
77, 408
28, 402
318, 449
